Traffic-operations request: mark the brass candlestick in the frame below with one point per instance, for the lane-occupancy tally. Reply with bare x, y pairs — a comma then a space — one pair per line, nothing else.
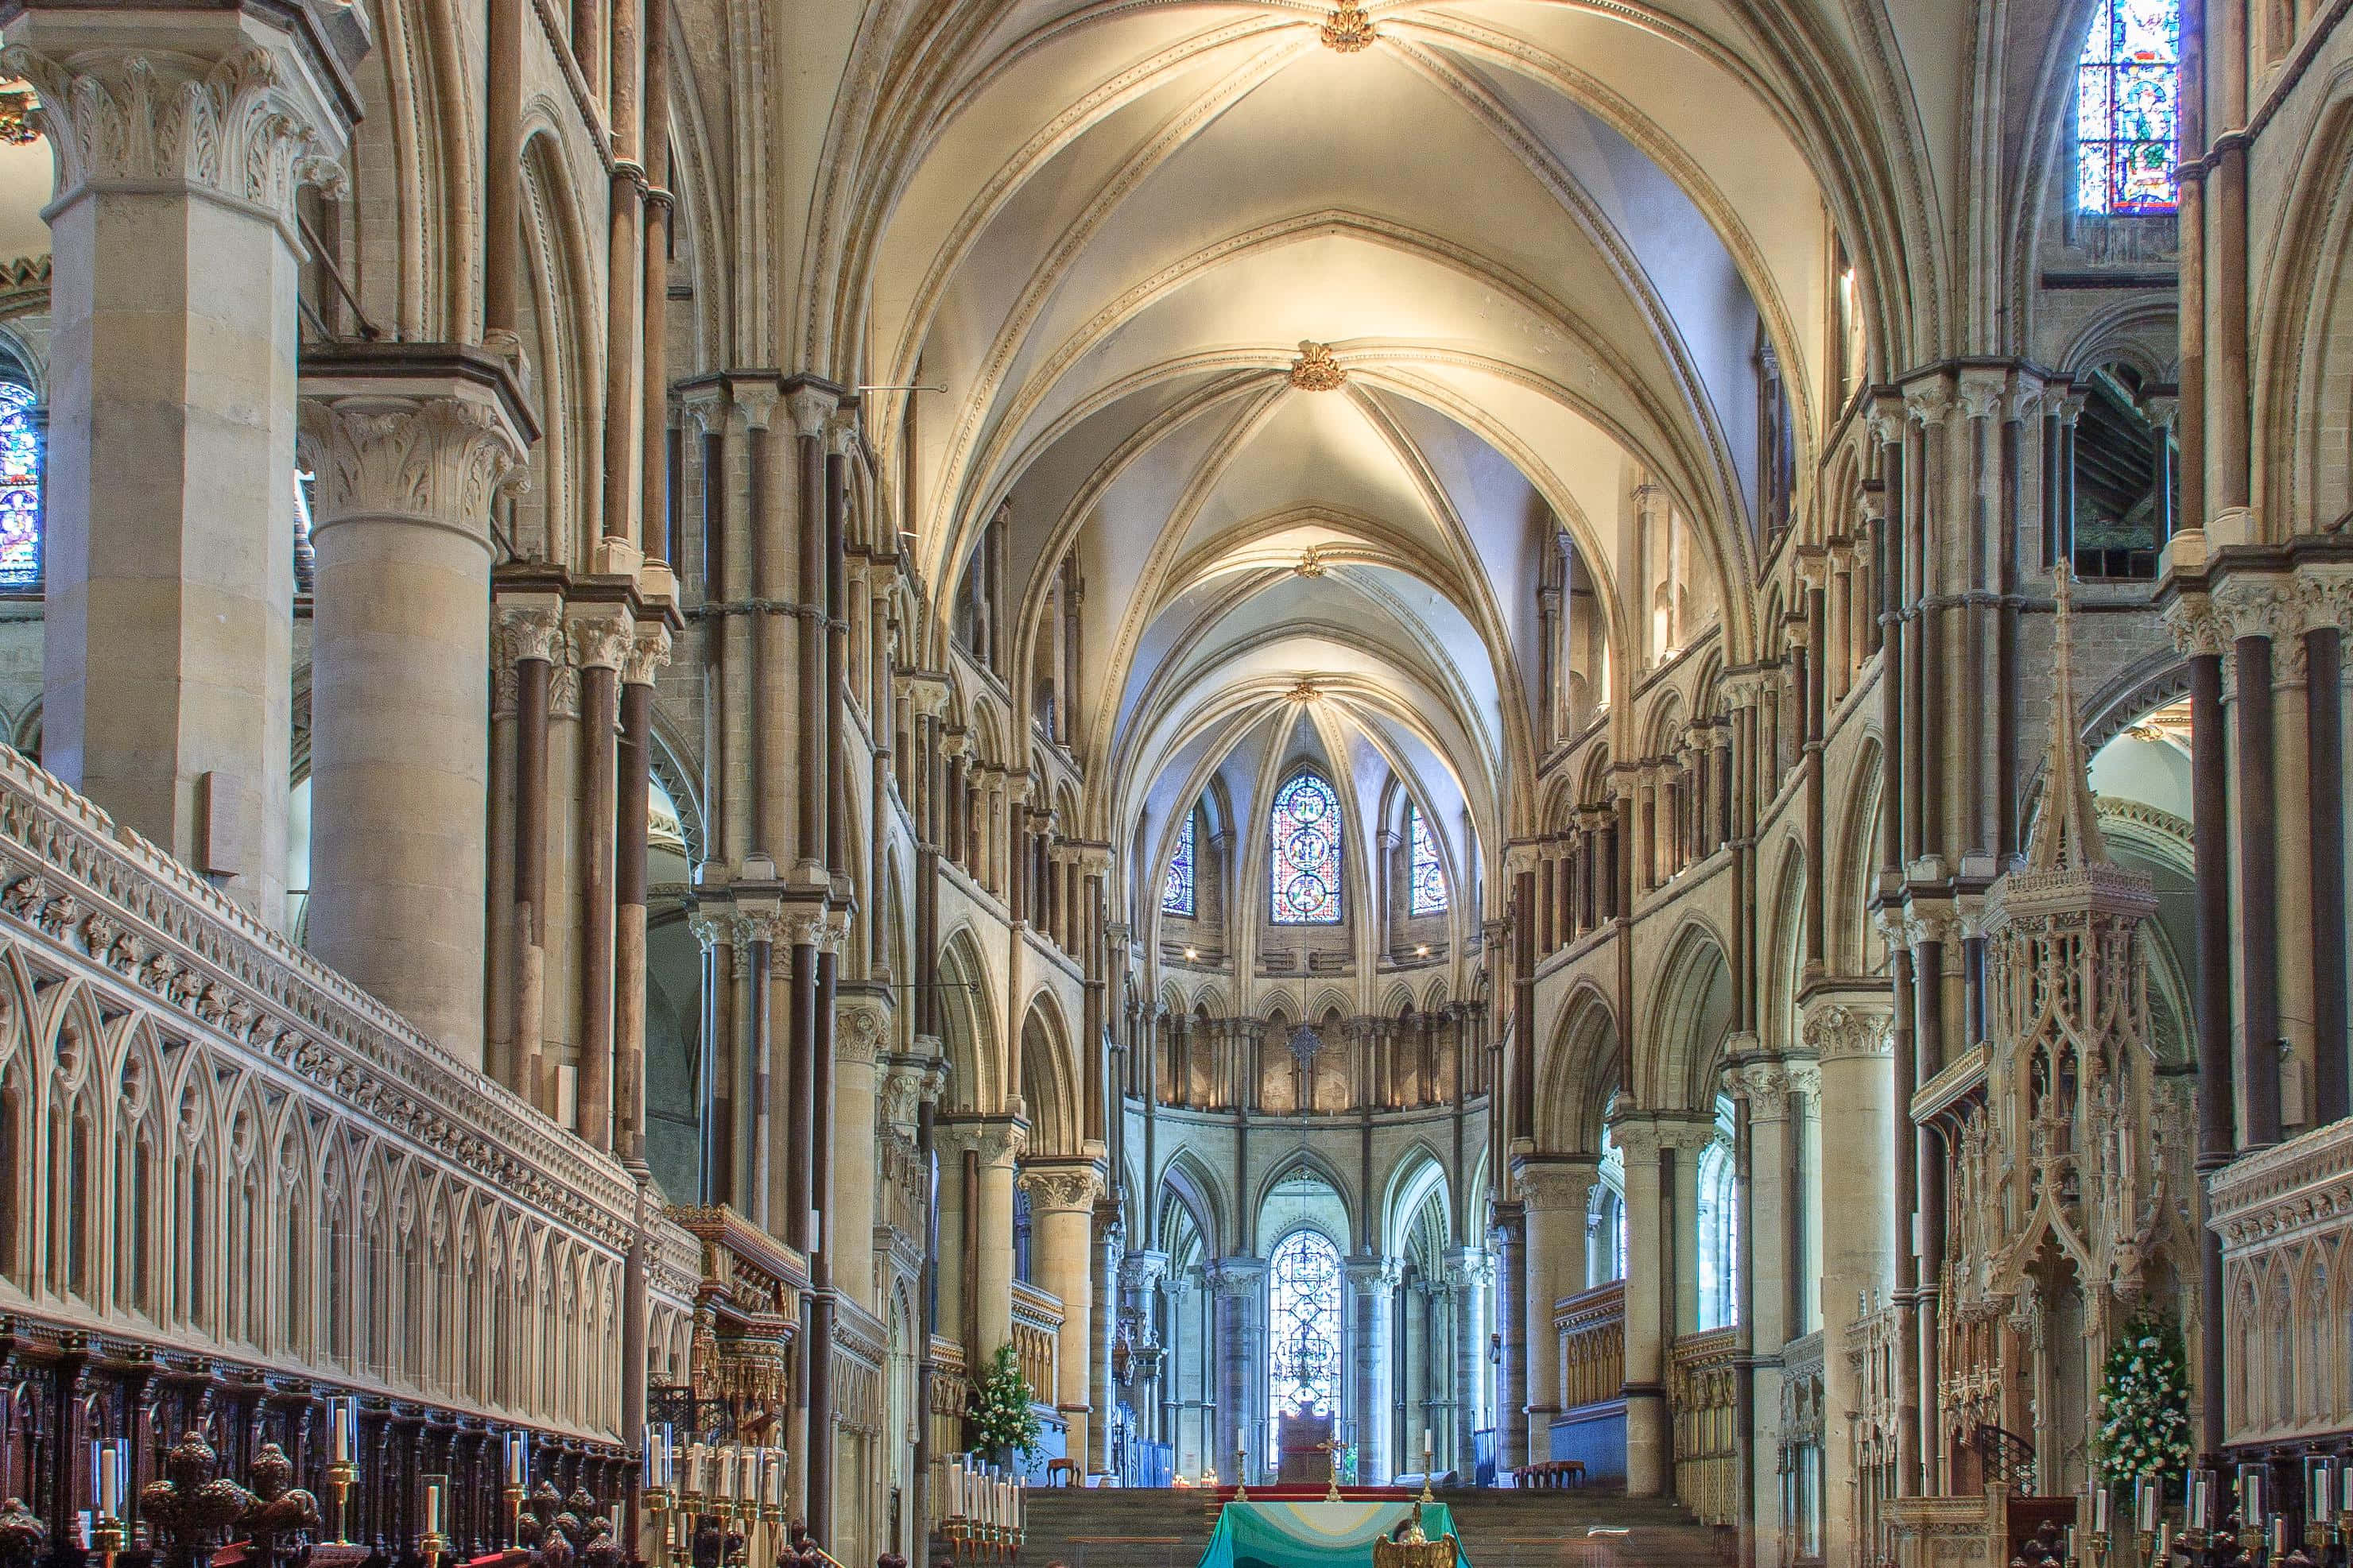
342, 1475
107, 1538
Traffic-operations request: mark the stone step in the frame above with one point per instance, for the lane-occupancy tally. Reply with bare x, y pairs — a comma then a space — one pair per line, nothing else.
1170, 1527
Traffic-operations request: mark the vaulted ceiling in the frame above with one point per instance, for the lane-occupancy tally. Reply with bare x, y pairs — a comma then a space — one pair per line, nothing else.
1542, 243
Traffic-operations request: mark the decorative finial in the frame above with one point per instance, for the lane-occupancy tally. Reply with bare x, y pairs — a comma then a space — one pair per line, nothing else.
1315, 370
1305, 691
1349, 29
2067, 833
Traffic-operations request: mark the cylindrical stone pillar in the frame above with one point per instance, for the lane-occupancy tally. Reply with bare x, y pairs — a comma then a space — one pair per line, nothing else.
1373, 1282
1857, 1088
409, 443
1062, 1213
1554, 1194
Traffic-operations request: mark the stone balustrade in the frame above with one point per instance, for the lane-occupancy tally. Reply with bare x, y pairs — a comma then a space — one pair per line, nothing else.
2284, 1215
210, 1141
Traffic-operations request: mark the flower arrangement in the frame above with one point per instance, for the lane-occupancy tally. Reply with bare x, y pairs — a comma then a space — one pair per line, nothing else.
2144, 1403
1002, 1421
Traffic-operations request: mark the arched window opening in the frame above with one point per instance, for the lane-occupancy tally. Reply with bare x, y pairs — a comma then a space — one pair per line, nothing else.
20, 487
1022, 1231
2128, 108
1719, 1227
1177, 893
1605, 1218
1303, 1324
1429, 894
1304, 828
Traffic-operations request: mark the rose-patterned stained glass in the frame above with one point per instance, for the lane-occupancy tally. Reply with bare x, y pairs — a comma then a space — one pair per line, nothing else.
1305, 883
1176, 892
1303, 1324
20, 488
1429, 895
2128, 108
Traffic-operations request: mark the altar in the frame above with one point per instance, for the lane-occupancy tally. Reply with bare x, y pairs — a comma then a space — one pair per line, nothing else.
1280, 1534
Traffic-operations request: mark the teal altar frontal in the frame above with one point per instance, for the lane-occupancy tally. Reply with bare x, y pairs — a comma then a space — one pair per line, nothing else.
1317, 1535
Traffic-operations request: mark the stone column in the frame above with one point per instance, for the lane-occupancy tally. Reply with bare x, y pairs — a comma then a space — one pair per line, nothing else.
988, 1231
1659, 1150
1061, 1216
1140, 1277
181, 135
1471, 1273
1555, 1191
410, 443
1373, 1282
1850, 1037
1239, 1285
1771, 1264
862, 1022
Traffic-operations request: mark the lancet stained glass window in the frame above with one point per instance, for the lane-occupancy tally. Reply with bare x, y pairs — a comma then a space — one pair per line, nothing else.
20, 488
2128, 106
1303, 1323
1305, 863
1177, 893
1429, 895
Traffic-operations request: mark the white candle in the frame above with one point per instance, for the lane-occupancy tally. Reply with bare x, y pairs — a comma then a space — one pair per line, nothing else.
340, 1424
2101, 1500
698, 1460
518, 1459
433, 1505
117, 1463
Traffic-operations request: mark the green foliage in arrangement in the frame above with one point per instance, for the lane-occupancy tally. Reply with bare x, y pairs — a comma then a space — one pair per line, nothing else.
2144, 1403
1002, 1420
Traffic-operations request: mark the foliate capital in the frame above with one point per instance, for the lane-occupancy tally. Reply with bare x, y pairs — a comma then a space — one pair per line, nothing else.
529, 632
1064, 1186
602, 640
1840, 1031
2197, 629
426, 459
246, 125
1556, 1186
649, 652
864, 1022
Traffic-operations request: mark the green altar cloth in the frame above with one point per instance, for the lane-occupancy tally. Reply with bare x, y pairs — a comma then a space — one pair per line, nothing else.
1316, 1534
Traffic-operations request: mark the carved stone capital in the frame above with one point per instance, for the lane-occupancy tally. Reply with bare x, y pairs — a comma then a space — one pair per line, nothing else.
649, 651
998, 1140
241, 119
1928, 402
1374, 1277
431, 449
810, 408
602, 639
1839, 1031
2259, 608
1236, 1278
533, 631
2197, 629
1142, 1271
1981, 391
1063, 1184
1764, 1085
1555, 1184
862, 1026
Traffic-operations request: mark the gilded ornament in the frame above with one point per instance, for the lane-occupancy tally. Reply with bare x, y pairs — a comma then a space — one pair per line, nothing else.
1315, 370
1349, 29
17, 126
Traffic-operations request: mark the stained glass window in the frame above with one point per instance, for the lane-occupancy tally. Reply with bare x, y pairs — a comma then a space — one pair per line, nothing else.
1429, 896
2128, 105
1305, 827
20, 488
1177, 893
1303, 1324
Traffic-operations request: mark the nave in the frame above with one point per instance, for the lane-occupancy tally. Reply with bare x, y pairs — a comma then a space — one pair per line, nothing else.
921, 779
